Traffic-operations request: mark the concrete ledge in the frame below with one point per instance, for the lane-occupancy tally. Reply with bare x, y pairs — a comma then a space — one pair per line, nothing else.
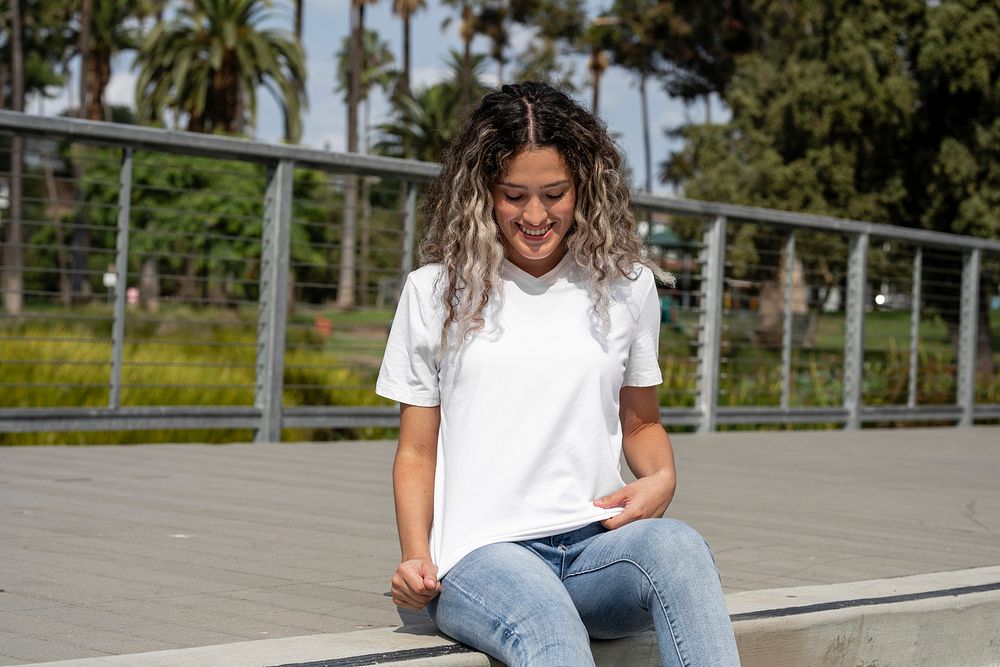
947, 618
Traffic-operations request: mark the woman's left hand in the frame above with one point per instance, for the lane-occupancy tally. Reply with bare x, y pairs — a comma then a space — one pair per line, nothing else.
645, 498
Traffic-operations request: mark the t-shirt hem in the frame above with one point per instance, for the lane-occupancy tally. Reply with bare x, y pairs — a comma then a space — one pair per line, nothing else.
449, 561
394, 393
643, 381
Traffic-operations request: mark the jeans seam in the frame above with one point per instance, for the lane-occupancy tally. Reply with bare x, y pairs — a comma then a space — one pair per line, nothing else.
516, 637
656, 590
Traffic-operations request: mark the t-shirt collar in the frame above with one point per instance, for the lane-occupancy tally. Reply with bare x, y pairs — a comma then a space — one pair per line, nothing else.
526, 280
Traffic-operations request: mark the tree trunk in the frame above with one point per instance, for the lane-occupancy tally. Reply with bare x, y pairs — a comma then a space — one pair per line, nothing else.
597, 65
467, 35
404, 87
645, 133
4, 77
189, 280
86, 14
225, 104
984, 342
366, 218
62, 257
80, 237
345, 284
298, 20
770, 320
366, 235
99, 73
13, 250
149, 286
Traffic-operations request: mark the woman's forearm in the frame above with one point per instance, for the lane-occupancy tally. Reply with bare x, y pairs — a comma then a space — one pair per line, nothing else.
645, 443
413, 488
413, 478
648, 451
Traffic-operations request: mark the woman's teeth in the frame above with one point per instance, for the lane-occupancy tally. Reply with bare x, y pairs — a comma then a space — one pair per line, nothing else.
536, 232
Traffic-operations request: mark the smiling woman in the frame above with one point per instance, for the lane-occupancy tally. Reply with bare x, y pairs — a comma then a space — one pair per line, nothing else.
535, 220
524, 358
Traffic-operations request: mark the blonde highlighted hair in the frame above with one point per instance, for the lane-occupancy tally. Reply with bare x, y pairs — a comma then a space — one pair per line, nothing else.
461, 233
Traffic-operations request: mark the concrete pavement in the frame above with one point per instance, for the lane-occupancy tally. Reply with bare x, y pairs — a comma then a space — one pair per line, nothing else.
118, 550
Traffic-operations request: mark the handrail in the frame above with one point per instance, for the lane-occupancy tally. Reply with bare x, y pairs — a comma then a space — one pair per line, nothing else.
208, 145
269, 413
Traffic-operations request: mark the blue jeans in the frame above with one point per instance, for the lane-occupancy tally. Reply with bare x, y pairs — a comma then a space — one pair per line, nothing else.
538, 602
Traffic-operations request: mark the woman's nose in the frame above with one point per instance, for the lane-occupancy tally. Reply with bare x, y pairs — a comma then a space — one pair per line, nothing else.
535, 212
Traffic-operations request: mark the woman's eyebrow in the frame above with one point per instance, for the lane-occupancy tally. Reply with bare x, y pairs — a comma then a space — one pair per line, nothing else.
525, 187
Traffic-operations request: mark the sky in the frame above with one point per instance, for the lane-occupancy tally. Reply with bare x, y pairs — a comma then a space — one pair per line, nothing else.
326, 23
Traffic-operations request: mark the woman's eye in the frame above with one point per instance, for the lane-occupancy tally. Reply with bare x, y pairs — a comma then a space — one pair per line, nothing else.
515, 197
556, 197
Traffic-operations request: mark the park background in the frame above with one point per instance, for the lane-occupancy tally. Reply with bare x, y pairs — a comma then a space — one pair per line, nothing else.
882, 112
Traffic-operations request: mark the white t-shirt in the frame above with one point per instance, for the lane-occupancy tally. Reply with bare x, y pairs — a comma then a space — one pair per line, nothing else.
530, 432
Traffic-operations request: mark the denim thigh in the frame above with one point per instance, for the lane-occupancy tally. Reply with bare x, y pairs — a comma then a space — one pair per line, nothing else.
503, 600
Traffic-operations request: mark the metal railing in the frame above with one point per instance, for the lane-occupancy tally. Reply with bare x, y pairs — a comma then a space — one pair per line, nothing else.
307, 229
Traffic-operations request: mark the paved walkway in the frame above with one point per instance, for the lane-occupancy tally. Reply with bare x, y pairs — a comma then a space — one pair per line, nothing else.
109, 550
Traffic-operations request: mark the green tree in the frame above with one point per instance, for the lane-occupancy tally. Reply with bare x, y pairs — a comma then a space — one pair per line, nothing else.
377, 71
47, 40
34, 46
700, 42
558, 26
884, 112
492, 21
632, 44
207, 63
541, 61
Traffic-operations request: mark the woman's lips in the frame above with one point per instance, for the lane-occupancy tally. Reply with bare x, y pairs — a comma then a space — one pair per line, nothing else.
536, 238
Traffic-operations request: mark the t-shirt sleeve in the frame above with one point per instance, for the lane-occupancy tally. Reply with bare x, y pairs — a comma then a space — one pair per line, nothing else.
409, 372
643, 367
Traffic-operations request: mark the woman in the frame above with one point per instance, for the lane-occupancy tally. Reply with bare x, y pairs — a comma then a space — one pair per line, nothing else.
524, 358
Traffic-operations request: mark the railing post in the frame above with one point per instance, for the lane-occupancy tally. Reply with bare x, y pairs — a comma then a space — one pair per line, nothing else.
713, 257
121, 282
409, 229
786, 332
968, 328
854, 328
274, 261
918, 267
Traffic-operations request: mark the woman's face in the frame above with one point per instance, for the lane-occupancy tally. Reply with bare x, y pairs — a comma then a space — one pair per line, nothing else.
533, 204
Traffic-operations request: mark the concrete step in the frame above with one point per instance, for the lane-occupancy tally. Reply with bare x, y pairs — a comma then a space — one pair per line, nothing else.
940, 619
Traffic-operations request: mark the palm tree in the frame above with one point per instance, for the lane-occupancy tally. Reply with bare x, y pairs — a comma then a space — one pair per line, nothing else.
597, 63
377, 72
427, 121
108, 33
207, 63
405, 9
345, 284
298, 20
467, 31
593, 39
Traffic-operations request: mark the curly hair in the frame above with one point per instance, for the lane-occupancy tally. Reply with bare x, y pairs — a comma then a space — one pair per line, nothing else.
461, 232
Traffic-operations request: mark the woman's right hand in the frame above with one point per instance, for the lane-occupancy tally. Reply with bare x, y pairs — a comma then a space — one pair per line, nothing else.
415, 583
